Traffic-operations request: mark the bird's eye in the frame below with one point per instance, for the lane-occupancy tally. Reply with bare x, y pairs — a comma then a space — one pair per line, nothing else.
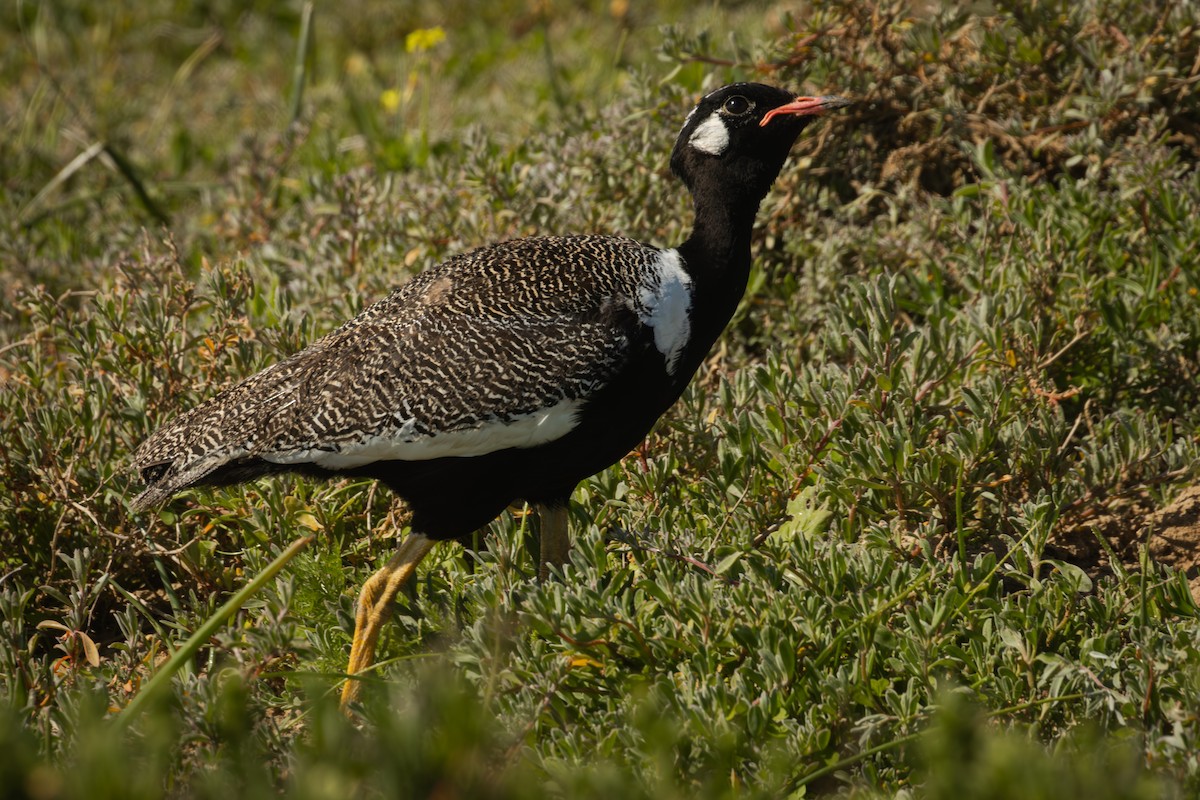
737, 106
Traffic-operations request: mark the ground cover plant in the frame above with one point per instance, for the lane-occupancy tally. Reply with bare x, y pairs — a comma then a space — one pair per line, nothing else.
925, 523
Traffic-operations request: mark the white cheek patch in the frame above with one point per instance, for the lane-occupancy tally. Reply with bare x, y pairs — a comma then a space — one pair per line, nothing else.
666, 300
710, 136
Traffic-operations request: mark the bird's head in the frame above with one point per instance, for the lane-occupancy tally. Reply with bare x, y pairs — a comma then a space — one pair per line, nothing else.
737, 137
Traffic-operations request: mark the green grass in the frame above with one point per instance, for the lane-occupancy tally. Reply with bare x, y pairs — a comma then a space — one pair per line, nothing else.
835, 566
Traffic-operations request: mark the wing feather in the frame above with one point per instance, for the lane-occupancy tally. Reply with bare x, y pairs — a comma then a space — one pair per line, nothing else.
496, 348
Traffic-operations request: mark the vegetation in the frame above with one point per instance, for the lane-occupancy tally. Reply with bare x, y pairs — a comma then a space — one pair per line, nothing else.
896, 538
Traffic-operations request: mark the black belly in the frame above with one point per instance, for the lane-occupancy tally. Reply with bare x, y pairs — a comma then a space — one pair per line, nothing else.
452, 497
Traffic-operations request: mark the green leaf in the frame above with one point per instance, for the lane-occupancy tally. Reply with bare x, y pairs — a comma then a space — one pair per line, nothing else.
1074, 574
726, 563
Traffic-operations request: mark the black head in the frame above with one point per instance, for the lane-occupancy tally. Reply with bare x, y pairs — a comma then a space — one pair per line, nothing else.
737, 138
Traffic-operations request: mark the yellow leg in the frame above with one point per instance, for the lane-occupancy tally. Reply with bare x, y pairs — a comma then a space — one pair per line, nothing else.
555, 545
375, 607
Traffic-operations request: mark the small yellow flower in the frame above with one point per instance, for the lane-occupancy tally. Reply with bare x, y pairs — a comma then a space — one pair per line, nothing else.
423, 39
390, 100
583, 661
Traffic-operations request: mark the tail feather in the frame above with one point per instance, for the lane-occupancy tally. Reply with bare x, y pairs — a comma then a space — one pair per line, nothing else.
218, 441
282, 411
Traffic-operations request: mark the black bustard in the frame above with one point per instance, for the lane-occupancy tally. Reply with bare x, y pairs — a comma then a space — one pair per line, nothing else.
508, 373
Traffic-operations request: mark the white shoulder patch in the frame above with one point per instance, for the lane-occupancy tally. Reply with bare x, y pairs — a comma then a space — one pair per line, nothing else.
405, 444
710, 136
664, 303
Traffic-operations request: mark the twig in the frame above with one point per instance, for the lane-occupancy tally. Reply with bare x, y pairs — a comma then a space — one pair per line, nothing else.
1062, 448
1079, 336
1054, 398
626, 539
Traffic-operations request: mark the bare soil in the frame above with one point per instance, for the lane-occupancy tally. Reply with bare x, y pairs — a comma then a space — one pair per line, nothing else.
1173, 532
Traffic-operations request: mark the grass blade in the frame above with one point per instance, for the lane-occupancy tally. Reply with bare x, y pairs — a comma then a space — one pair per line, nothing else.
162, 678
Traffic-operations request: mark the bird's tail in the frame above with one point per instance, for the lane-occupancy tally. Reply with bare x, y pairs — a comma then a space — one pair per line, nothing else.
218, 442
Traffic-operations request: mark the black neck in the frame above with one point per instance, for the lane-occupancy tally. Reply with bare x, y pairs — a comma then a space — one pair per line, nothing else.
717, 256
718, 251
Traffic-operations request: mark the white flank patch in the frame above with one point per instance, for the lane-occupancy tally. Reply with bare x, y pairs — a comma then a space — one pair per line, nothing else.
405, 444
710, 136
666, 299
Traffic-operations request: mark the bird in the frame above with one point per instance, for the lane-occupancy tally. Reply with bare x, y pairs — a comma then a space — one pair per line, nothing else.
507, 373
